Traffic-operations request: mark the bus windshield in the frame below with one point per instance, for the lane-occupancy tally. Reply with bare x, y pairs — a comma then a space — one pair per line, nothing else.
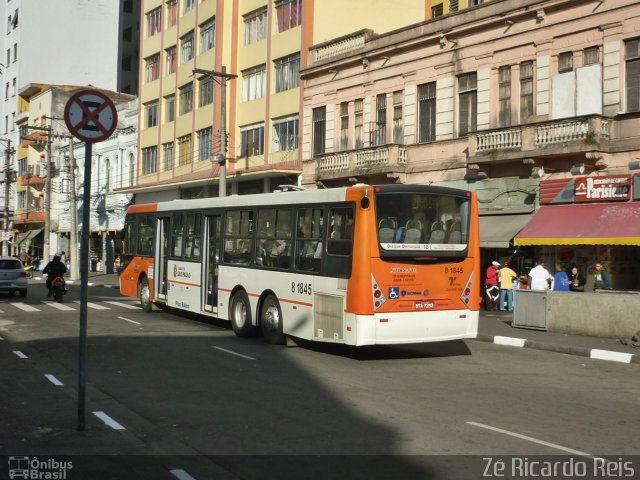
415, 224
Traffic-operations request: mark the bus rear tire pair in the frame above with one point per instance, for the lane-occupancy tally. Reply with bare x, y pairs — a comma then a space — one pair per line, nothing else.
270, 318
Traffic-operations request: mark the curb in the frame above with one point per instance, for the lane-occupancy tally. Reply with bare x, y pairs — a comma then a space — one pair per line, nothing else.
593, 353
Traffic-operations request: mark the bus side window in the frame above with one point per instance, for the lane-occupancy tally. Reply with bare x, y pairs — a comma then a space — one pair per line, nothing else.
340, 242
309, 240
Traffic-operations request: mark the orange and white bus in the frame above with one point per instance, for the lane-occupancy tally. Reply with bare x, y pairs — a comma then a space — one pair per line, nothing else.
360, 265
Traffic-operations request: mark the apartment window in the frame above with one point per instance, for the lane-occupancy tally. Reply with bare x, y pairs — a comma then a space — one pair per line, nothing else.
287, 73
565, 62
172, 60
254, 83
127, 6
6, 91
127, 34
186, 48
22, 200
468, 100
504, 94
398, 122
154, 24
289, 14
526, 91
344, 126
167, 156
437, 11
186, 99
185, 152
13, 121
205, 91
427, 112
15, 52
172, 13
14, 87
476, 2
8, 56
152, 68
358, 123
151, 113
590, 56
204, 144
149, 160
207, 35
169, 108
379, 133
632, 74
285, 134
255, 26
187, 5
453, 5
6, 124
252, 140
319, 130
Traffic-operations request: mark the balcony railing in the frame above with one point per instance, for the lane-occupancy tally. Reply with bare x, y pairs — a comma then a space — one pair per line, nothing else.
333, 48
499, 140
383, 157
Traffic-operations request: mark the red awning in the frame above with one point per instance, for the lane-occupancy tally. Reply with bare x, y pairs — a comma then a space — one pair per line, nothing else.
592, 224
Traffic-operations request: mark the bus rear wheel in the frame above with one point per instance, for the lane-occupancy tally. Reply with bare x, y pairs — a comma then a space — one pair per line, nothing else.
271, 321
144, 295
240, 314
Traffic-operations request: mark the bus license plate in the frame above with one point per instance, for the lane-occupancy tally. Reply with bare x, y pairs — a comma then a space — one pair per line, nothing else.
424, 305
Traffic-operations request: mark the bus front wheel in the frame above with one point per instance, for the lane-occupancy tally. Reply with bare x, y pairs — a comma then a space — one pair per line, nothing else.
241, 314
271, 321
145, 296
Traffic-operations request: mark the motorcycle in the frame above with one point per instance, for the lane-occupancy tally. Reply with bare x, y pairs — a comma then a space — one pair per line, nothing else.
58, 288
29, 269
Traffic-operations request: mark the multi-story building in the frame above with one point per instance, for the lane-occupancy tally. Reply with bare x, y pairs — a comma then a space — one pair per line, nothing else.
530, 103
66, 42
262, 44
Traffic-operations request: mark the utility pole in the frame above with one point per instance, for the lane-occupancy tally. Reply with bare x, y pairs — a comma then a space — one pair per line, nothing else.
221, 158
73, 248
8, 179
47, 201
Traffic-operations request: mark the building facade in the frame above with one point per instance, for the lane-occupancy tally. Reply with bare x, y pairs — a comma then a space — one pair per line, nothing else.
495, 98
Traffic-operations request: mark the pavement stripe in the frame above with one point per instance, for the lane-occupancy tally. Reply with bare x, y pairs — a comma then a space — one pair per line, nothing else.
125, 305
130, 321
25, 307
1, 339
54, 380
180, 474
234, 353
60, 306
110, 422
531, 439
514, 342
95, 306
611, 356
20, 354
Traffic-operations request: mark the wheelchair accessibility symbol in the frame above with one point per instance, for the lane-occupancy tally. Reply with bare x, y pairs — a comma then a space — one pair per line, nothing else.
394, 293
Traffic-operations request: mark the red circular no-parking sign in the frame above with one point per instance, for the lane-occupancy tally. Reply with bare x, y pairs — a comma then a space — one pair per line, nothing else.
90, 116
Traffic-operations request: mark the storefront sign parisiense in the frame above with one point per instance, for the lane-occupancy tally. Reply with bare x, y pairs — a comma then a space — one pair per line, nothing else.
603, 189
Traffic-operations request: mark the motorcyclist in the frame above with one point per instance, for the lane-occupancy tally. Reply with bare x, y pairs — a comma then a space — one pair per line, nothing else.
55, 268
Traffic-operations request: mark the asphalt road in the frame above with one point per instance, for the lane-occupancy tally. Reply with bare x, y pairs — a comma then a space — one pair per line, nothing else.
189, 393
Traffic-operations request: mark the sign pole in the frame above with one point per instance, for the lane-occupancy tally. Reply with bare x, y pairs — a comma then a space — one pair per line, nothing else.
84, 285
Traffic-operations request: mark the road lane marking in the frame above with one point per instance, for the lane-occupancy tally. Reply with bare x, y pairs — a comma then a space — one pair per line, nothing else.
95, 306
514, 342
180, 474
54, 380
127, 320
25, 307
125, 305
110, 422
531, 439
234, 353
611, 356
1, 337
60, 306
20, 354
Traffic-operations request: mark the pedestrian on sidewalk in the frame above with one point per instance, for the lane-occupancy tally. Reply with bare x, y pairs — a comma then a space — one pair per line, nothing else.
492, 290
576, 279
560, 280
601, 278
539, 277
507, 276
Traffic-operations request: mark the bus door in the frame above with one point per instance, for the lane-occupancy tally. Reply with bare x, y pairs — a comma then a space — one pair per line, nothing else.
162, 248
211, 260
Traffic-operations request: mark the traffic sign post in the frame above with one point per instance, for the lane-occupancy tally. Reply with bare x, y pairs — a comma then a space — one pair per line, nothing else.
91, 117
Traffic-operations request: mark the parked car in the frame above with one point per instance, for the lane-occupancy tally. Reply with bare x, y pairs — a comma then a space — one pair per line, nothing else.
13, 277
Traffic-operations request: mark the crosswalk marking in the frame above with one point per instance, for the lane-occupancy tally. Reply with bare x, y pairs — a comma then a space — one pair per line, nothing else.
25, 307
125, 305
95, 306
60, 306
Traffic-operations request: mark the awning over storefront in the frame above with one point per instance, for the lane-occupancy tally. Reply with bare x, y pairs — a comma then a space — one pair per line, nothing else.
28, 235
593, 224
496, 231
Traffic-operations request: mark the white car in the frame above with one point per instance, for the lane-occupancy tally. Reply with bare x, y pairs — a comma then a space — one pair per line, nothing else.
13, 277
